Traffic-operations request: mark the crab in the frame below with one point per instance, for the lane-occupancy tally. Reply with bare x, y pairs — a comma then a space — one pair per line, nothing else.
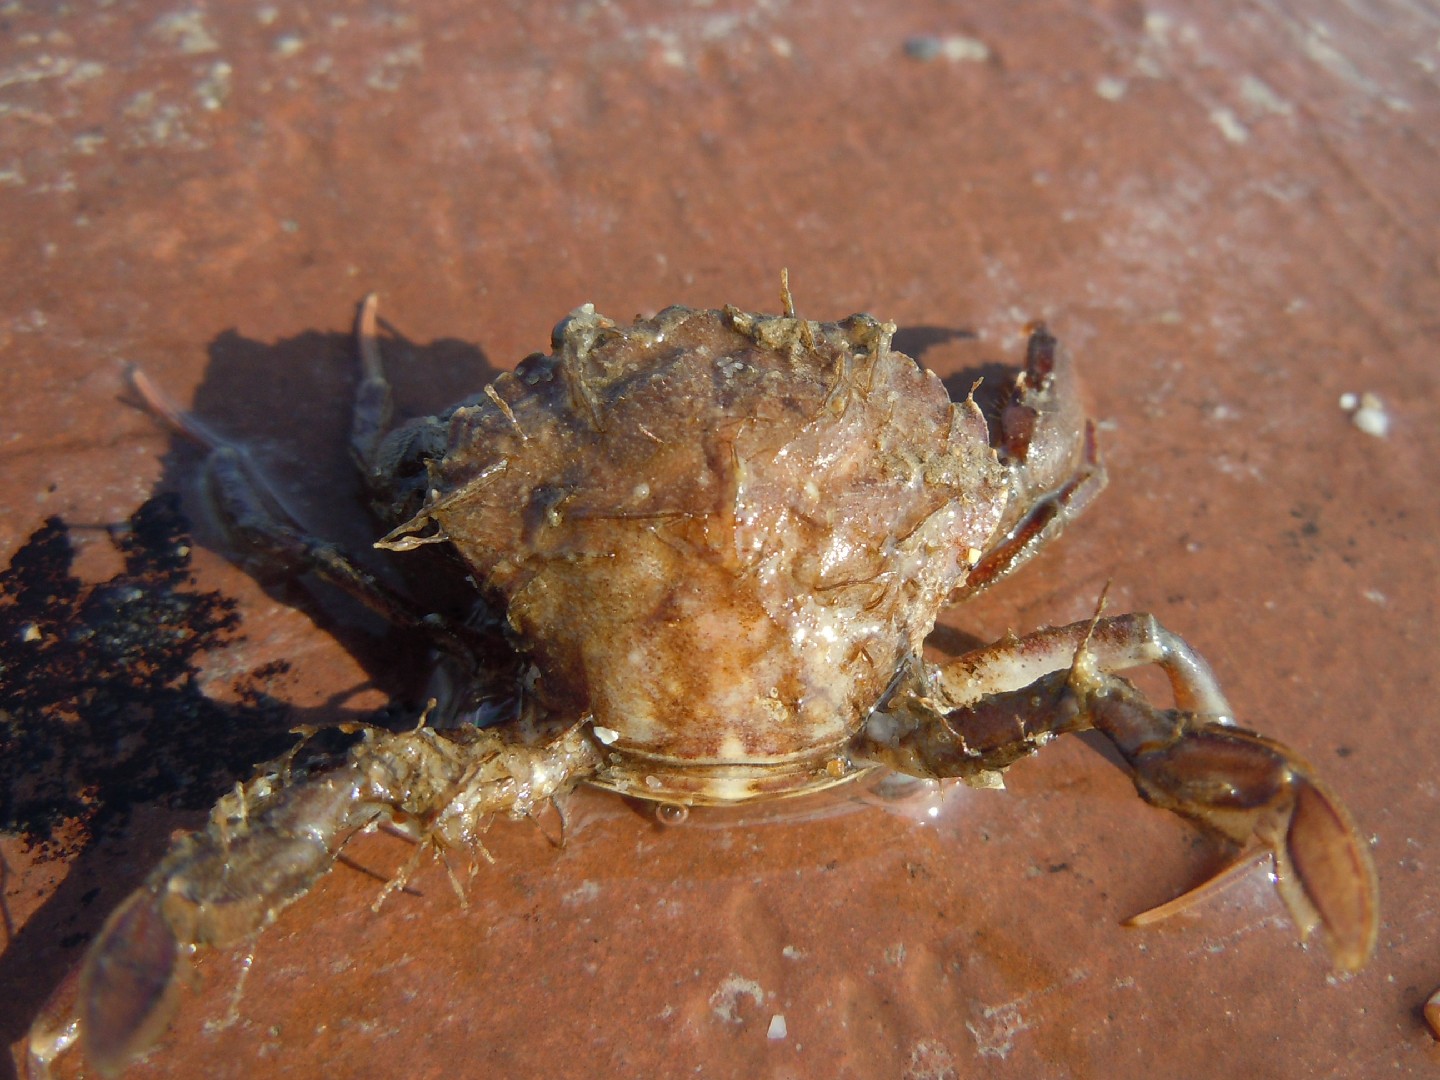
717, 542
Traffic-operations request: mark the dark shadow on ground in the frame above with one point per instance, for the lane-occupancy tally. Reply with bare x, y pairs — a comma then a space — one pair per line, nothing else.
107, 740
103, 715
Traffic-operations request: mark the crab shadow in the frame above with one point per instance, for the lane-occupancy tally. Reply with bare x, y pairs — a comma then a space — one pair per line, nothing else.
288, 407
109, 740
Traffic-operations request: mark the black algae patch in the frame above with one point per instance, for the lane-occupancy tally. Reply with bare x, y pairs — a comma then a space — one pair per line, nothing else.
100, 704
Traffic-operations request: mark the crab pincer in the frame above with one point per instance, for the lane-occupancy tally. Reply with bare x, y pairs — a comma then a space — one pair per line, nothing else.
1257, 793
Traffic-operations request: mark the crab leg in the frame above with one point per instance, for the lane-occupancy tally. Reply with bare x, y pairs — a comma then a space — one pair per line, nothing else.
254, 519
273, 838
374, 405
987, 709
1113, 644
1054, 463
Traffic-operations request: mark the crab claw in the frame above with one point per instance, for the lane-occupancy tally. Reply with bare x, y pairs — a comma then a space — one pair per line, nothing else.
1261, 795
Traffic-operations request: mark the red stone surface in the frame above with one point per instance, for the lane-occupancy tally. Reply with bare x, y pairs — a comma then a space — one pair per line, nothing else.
1229, 214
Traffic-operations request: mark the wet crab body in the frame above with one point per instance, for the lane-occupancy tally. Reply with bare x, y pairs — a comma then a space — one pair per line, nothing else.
718, 536
719, 540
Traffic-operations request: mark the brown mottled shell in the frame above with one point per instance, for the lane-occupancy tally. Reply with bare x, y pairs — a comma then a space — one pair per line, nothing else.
719, 535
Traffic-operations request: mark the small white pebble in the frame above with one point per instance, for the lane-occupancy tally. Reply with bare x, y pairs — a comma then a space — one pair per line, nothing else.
30, 632
957, 47
1371, 417
777, 1030
605, 735
1372, 422
1367, 412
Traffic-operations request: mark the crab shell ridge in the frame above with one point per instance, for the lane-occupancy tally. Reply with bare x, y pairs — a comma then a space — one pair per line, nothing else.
719, 536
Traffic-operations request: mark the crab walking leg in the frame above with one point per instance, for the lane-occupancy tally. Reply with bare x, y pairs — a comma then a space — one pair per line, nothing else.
255, 521
253, 518
270, 840
1053, 461
374, 405
1112, 644
1043, 522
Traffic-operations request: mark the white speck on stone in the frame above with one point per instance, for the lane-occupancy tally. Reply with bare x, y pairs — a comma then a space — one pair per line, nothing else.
30, 632
1375, 596
288, 45
584, 893
1367, 412
725, 1001
186, 30
957, 48
777, 1030
215, 87
790, 952
155, 123
1111, 87
84, 71
995, 1033
605, 735
1371, 417
1158, 24
930, 1059
1258, 94
1229, 125
389, 73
